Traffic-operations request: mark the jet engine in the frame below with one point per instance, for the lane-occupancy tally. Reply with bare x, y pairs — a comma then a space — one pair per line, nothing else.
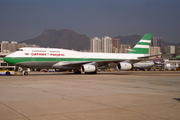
124, 66
89, 68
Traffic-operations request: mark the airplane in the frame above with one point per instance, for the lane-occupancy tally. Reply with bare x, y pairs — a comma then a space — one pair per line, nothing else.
175, 57
146, 64
87, 62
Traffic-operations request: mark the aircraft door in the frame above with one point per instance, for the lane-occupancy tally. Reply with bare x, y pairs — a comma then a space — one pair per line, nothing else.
32, 58
85, 58
57, 58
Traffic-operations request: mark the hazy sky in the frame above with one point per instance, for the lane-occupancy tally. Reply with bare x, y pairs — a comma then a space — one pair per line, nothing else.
25, 19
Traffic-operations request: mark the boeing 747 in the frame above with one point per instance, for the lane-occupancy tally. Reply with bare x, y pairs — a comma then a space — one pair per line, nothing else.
88, 62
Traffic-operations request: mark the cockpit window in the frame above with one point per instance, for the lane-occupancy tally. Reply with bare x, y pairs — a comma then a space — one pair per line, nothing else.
20, 50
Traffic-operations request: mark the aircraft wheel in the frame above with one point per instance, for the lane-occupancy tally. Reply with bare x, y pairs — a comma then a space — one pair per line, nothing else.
91, 72
25, 73
77, 72
8, 73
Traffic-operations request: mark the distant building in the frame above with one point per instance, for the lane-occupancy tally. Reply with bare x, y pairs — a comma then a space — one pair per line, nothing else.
13, 46
157, 42
6, 47
95, 44
124, 48
169, 49
106, 43
115, 45
177, 51
154, 50
20, 45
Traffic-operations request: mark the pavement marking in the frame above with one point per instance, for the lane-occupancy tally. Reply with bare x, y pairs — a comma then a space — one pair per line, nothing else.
160, 84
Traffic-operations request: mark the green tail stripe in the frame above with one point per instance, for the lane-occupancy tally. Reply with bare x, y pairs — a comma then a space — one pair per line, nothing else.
177, 57
148, 36
139, 50
141, 45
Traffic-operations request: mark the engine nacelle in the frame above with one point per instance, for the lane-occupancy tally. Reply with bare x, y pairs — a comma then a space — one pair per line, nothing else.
124, 66
89, 68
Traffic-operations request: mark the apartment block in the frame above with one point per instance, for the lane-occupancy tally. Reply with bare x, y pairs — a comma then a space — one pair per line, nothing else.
106, 43
115, 45
7, 47
169, 49
95, 44
124, 48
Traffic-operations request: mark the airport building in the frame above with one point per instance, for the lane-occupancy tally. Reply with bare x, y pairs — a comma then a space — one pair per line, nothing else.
171, 64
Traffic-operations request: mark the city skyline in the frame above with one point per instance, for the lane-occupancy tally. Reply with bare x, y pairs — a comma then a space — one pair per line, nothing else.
22, 20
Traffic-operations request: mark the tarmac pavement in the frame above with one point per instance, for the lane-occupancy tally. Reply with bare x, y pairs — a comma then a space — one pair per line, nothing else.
131, 95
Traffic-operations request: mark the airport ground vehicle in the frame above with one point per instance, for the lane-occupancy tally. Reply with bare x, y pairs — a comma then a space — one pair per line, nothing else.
11, 71
5, 71
8, 69
48, 70
157, 68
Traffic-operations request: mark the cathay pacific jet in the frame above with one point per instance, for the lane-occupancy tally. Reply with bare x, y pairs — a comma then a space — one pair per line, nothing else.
87, 62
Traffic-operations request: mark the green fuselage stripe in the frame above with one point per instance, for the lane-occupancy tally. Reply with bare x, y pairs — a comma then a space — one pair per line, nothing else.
16, 60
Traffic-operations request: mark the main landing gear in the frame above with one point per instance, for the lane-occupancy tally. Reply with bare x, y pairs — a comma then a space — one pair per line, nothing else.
77, 71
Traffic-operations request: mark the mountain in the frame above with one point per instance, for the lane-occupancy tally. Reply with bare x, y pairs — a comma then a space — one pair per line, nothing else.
167, 44
71, 40
60, 39
131, 40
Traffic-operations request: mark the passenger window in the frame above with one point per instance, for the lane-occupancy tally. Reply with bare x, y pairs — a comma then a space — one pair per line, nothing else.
20, 50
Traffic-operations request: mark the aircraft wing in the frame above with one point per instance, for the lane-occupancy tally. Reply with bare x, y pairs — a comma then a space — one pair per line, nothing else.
78, 64
146, 57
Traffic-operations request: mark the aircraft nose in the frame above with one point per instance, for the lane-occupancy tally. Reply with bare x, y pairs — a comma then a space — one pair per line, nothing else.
8, 60
5, 59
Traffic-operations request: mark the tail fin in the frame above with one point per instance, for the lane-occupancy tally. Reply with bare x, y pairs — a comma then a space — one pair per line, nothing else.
142, 46
157, 59
177, 57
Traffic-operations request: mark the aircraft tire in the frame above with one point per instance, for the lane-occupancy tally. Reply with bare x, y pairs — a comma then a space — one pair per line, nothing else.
91, 72
25, 73
8, 73
77, 72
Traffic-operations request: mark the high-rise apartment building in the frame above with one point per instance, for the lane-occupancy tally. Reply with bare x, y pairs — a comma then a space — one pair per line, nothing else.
95, 44
115, 45
157, 42
106, 43
6, 47
13, 46
124, 48
154, 50
177, 51
169, 49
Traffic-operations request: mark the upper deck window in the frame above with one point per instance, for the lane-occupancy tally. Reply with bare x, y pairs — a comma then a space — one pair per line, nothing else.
20, 50
55, 51
38, 51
